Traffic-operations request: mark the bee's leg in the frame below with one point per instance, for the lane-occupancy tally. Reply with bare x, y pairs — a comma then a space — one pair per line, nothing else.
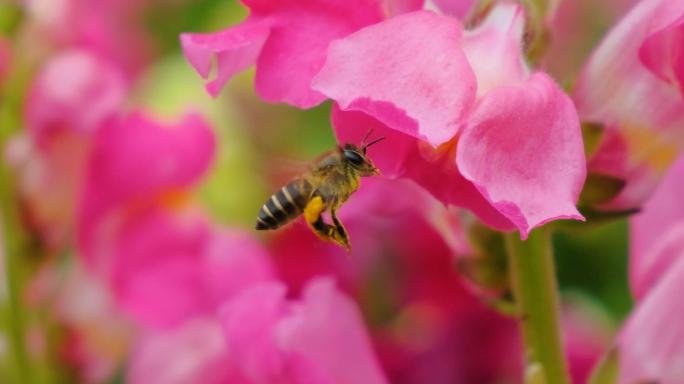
313, 215
341, 232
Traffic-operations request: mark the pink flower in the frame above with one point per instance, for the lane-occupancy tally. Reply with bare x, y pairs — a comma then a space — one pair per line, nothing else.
75, 91
287, 40
73, 95
476, 128
97, 335
631, 85
109, 28
164, 261
193, 352
657, 234
319, 338
425, 324
651, 344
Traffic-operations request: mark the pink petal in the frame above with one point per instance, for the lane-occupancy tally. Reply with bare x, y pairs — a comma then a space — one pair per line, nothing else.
444, 181
400, 155
232, 261
663, 53
523, 150
156, 269
494, 48
388, 155
297, 48
657, 233
397, 7
289, 41
651, 344
75, 92
174, 156
195, 352
408, 72
458, 8
235, 49
248, 321
642, 115
326, 317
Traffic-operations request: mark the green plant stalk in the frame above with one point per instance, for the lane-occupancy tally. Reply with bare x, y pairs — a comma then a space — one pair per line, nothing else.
12, 252
12, 238
535, 290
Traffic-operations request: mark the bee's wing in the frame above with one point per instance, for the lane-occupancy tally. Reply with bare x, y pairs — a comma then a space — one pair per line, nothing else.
283, 169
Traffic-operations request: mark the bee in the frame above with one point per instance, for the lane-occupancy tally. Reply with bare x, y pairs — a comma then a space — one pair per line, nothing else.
326, 186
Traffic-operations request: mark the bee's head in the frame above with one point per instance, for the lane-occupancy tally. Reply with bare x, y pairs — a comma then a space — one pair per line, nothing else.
356, 157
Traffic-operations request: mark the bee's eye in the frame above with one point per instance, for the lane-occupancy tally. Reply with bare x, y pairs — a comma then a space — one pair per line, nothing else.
353, 157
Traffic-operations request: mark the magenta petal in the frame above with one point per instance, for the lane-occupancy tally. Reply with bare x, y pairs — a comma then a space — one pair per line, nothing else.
298, 44
388, 155
235, 49
408, 72
326, 317
174, 156
248, 321
155, 268
663, 53
651, 345
523, 150
657, 233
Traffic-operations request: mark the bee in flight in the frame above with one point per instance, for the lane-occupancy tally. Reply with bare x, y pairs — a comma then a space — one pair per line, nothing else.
327, 185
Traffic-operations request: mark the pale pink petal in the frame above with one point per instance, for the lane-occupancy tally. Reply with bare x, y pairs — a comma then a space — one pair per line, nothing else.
74, 92
234, 49
248, 324
651, 345
232, 261
522, 149
408, 72
274, 340
194, 352
663, 53
657, 233
326, 318
458, 8
642, 116
494, 48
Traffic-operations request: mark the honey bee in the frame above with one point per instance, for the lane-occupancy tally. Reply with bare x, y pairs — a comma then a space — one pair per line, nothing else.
326, 186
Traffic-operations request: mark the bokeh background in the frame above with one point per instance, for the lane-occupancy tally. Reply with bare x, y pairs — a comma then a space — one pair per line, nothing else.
258, 146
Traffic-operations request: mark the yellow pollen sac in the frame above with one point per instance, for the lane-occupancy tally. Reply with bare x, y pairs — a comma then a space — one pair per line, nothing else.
313, 209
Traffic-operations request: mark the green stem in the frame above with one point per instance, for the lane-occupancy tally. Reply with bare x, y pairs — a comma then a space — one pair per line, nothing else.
535, 290
12, 236
12, 253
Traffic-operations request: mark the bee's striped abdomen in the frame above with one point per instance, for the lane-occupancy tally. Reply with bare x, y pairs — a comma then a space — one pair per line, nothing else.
284, 205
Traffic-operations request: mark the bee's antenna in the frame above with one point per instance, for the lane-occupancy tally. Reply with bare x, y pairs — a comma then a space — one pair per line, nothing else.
373, 142
366, 137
